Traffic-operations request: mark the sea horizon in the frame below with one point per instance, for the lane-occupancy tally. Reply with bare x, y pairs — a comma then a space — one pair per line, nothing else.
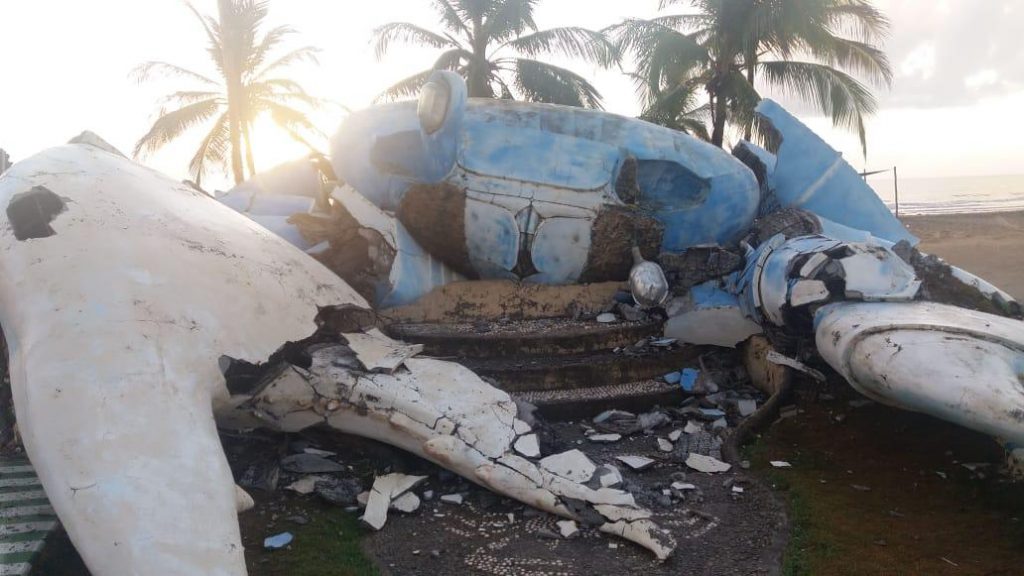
952, 194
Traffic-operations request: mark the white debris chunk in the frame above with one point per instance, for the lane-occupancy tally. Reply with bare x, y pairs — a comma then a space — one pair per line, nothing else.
707, 464
780, 464
683, 486
616, 513
675, 435
776, 358
528, 446
243, 501
746, 407
520, 427
664, 445
609, 476
452, 498
636, 462
572, 465
813, 265
806, 292
378, 353
407, 503
385, 489
693, 428
567, 528
737, 490
607, 318
321, 453
604, 438
305, 485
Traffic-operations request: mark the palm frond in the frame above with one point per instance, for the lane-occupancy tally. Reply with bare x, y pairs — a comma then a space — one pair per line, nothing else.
303, 54
294, 122
170, 125
147, 70
509, 18
211, 27
450, 17
404, 88
835, 93
408, 33
213, 149
270, 40
542, 82
858, 18
184, 97
857, 57
571, 41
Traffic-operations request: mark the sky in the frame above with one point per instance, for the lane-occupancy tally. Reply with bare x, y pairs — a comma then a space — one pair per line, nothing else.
956, 107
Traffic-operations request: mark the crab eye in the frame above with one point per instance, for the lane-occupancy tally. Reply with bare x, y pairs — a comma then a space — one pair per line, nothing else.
433, 105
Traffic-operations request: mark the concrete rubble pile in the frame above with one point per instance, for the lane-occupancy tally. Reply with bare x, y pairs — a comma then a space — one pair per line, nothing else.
141, 315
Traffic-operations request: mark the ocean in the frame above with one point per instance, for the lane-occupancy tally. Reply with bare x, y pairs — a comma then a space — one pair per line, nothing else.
952, 195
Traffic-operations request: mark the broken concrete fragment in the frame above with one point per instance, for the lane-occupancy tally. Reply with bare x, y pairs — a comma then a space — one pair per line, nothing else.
452, 498
720, 424
572, 465
567, 528
528, 446
664, 445
604, 438
806, 292
607, 318
377, 352
706, 464
305, 485
309, 464
692, 428
675, 435
776, 358
385, 489
637, 463
279, 541
407, 503
520, 427
683, 486
780, 464
243, 501
609, 476
746, 407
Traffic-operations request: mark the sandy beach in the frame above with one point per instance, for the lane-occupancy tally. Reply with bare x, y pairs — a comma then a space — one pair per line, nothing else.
989, 245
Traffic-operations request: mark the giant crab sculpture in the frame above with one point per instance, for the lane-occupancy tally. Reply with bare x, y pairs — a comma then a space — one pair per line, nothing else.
140, 314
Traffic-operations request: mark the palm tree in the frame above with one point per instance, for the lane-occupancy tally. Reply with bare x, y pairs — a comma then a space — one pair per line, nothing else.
245, 90
727, 46
494, 44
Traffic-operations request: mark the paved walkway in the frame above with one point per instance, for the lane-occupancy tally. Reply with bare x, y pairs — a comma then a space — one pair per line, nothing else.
25, 517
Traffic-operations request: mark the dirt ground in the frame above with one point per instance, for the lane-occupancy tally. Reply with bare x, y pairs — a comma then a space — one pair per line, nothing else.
879, 491
986, 244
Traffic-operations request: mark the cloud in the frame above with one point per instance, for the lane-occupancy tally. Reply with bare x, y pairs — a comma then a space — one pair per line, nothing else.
953, 52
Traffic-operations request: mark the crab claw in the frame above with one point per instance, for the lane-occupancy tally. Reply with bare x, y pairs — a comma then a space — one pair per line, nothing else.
445, 413
120, 290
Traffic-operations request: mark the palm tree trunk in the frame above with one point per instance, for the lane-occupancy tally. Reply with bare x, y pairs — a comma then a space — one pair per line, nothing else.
478, 81
249, 160
233, 81
719, 116
749, 128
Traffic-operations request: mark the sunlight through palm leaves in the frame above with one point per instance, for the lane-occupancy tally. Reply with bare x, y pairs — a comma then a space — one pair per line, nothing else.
727, 47
495, 44
243, 90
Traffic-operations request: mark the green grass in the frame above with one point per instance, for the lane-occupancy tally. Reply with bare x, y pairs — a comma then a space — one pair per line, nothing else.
330, 545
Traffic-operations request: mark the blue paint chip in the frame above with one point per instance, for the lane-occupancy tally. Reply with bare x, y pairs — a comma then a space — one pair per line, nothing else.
689, 379
279, 541
673, 377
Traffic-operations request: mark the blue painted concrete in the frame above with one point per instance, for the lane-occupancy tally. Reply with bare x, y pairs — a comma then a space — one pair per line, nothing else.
563, 161
809, 174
